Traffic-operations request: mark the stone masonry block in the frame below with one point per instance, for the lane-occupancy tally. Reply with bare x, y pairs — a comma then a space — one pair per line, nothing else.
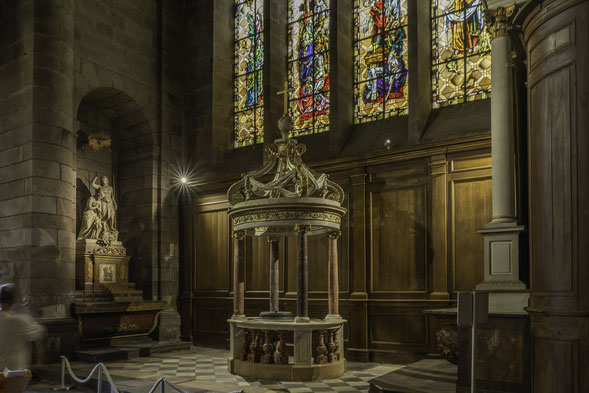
15, 237
51, 187
66, 207
15, 206
48, 169
17, 188
56, 153
66, 238
49, 254
43, 204
43, 237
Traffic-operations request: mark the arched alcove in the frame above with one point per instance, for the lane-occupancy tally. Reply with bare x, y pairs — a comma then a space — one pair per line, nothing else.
110, 114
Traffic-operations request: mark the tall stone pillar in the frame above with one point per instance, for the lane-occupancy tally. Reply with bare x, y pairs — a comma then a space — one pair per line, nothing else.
555, 35
302, 275
502, 234
238, 276
333, 277
274, 273
52, 185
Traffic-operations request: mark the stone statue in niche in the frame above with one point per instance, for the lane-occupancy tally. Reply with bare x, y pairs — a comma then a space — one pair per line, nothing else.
99, 217
91, 225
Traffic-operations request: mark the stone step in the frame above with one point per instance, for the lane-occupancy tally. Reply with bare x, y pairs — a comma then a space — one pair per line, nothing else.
424, 376
106, 354
147, 347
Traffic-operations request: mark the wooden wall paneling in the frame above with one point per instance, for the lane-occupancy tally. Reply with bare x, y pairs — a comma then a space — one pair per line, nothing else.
357, 217
398, 325
551, 173
210, 321
470, 201
398, 230
438, 247
186, 270
212, 262
398, 241
257, 266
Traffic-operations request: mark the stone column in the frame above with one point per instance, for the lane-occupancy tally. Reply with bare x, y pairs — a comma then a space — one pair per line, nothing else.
238, 276
503, 232
302, 275
502, 121
274, 272
332, 277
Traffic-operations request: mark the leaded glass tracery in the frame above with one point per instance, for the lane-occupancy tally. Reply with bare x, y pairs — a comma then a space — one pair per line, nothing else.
461, 52
248, 102
381, 62
308, 65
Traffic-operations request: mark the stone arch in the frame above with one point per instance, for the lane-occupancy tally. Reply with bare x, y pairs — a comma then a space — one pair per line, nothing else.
130, 161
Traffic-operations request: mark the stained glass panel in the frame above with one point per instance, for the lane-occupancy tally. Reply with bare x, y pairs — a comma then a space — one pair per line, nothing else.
248, 81
308, 65
380, 66
461, 52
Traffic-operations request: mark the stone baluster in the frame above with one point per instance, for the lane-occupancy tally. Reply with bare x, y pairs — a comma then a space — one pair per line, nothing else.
321, 350
254, 355
268, 349
280, 356
333, 346
245, 345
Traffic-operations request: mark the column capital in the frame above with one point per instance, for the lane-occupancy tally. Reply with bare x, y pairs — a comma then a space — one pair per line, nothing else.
272, 239
334, 234
302, 228
240, 235
498, 20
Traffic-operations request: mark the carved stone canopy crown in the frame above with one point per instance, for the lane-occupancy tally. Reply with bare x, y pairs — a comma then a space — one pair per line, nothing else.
285, 194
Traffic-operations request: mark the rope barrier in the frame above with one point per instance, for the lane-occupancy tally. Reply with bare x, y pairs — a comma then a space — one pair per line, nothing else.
101, 369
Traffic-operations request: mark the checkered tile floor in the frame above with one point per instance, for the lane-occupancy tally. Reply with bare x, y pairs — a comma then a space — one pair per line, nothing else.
214, 369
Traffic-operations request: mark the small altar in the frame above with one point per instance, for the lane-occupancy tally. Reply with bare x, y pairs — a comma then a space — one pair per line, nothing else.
286, 198
106, 304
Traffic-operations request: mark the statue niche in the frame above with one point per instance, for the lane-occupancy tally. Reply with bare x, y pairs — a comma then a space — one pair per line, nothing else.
99, 216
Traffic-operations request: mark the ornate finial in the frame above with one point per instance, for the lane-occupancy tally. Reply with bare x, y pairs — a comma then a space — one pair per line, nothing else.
498, 19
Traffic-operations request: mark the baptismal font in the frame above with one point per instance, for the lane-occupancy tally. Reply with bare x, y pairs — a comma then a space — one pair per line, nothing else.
295, 202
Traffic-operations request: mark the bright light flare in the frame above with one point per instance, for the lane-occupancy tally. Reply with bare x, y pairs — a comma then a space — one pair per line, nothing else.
183, 180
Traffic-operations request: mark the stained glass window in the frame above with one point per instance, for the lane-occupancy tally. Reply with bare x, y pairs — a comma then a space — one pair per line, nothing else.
461, 52
308, 65
248, 102
380, 66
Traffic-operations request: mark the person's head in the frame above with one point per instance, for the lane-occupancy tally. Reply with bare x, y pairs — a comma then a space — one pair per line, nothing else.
105, 180
7, 297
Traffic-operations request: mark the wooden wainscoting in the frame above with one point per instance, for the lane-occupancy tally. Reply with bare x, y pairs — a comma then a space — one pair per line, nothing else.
408, 242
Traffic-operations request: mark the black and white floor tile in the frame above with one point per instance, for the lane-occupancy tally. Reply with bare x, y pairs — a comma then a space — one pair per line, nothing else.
213, 369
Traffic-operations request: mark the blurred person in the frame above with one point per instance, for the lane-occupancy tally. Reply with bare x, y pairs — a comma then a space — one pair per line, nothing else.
16, 330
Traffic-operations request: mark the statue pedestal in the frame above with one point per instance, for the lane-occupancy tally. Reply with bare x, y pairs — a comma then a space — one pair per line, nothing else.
106, 304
